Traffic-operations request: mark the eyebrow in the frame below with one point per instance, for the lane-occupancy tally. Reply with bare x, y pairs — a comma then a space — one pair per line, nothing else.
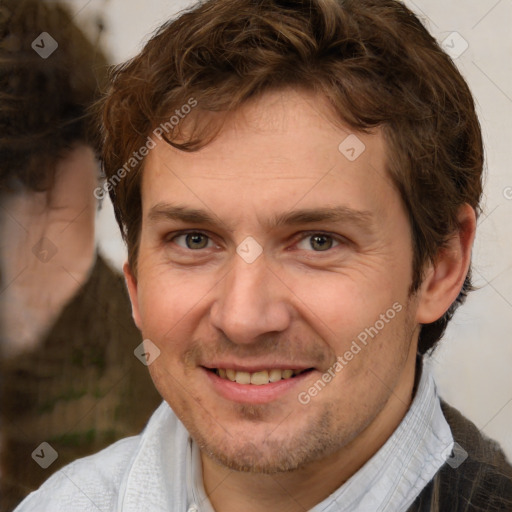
361, 218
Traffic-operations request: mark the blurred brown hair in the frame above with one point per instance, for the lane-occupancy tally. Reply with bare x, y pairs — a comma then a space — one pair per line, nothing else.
43, 102
374, 61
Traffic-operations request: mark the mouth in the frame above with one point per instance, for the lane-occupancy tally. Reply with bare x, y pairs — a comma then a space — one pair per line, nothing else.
258, 386
257, 378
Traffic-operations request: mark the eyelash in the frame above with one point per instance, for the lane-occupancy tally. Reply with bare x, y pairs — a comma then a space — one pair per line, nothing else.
303, 236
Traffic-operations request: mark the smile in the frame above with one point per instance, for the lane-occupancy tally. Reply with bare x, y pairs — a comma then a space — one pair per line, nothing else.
258, 378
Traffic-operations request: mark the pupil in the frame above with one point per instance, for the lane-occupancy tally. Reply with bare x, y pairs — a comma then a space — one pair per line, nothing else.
196, 241
321, 242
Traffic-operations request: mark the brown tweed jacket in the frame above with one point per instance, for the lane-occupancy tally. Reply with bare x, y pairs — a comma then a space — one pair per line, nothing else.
481, 483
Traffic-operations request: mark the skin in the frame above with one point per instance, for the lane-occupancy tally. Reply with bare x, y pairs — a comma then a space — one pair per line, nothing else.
297, 304
36, 289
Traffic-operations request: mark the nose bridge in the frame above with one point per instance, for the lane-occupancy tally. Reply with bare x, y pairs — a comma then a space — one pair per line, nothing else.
250, 303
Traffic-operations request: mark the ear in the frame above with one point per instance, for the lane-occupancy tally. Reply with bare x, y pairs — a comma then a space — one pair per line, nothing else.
131, 283
444, 279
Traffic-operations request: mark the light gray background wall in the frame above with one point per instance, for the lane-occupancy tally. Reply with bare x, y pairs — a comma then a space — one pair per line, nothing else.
474, 364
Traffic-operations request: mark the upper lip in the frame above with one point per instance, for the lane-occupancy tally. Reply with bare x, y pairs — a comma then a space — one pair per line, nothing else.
252, 368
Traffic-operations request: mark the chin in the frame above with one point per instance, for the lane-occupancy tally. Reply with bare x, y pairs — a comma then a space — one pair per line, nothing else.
271, 451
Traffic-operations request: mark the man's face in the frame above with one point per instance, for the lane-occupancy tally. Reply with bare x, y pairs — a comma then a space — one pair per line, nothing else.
336, 263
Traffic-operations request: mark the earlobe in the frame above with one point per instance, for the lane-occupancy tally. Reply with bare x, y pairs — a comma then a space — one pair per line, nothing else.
444, 279
131, 283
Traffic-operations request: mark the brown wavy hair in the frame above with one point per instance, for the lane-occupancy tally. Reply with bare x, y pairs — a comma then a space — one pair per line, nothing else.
374, 61
44, 103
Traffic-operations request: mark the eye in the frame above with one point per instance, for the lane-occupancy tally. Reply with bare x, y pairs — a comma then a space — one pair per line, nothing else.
318, 242
193, 240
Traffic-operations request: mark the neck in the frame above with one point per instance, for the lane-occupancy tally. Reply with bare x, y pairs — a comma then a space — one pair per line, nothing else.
302, 489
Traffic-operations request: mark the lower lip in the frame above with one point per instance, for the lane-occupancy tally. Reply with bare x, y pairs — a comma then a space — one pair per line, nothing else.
251, 393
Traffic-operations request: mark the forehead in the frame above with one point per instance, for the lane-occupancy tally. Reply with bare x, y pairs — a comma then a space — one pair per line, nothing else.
283, 149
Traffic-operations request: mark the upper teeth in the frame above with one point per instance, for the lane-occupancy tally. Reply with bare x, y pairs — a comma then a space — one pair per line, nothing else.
257, 378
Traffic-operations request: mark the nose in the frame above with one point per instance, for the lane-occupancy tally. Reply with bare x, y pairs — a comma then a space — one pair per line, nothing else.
251, 302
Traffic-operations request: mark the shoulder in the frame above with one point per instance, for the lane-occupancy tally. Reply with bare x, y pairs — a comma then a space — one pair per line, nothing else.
476, 478
88, 484
484, 478
97, 482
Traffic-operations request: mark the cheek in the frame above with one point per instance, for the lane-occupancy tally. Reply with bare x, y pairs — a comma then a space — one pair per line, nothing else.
341, 301
360, 319
172, 302
161, 305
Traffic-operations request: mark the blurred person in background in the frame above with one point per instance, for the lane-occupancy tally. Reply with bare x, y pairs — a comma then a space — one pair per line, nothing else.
69, 376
